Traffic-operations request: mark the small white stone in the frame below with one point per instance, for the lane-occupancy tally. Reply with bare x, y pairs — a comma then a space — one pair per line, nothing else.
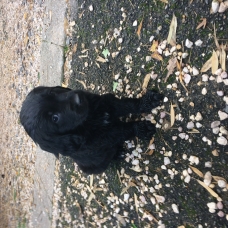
215, 124
198, 125
182, 135
174, 138
195, 71
222, 140
135, 162
221, 214
219, 79
212, 78
220, 205
220, 93
91, 8
215, 130
198, 116
212, 205
187, 179
187, 78
212, 210
205, 77
222, 115
199, 43
135, 23
225, 81
184, 55
219, 71
223, 130
190, 125
226, 99
175, 208
148, 58
223, 74
207, 178
173, 48
120, 40
165, 99
208, 164
214, 6
151, 38
204, 91
221, 183
166, 161
184, 156
188, 43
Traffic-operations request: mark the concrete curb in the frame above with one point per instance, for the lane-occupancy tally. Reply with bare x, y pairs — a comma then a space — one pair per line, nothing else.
51, 74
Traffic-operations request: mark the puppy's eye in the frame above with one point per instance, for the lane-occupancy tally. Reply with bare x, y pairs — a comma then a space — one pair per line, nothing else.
55, 118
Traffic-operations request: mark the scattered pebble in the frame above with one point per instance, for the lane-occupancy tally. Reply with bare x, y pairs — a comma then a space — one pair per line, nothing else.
207, 178
188, 43
222, 140
175, 208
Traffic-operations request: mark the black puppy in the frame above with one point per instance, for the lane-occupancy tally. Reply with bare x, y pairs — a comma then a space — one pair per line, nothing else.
83, 125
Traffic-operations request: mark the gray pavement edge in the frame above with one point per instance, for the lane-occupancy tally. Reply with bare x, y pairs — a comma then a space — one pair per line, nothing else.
51, 73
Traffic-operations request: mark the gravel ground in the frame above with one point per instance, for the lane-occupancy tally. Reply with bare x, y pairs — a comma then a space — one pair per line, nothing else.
121, 47
109, 51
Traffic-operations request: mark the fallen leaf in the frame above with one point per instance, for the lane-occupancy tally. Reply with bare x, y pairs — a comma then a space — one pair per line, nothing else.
115, 84
157, 56
170, 67
214, 62
195, 170
136, 203
193, 131
206, 65
150, 152
136, 169
165, 1
130, 184
121, 219
106, 53
202, 24
139, 28
100, 59
146, 81
154, 46
172, 115
91, 181
147, 212
217, 178
83, 83
172, 31
213, 193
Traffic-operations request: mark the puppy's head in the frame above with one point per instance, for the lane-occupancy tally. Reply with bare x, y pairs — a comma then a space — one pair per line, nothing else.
49, 112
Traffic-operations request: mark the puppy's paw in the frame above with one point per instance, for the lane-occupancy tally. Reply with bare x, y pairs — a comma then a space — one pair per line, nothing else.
144, 130
150, 100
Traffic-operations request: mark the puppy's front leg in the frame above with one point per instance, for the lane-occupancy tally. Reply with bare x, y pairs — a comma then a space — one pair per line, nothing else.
145, 104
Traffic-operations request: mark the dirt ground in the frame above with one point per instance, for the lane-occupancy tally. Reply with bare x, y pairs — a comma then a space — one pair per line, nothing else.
20, 32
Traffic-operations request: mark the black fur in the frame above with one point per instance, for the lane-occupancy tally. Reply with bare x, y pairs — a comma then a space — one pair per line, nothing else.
83, 125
